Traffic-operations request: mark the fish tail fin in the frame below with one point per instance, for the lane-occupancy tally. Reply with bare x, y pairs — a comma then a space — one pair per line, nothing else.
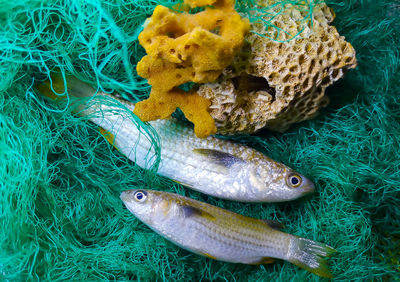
311, 256
54, 87
50, 87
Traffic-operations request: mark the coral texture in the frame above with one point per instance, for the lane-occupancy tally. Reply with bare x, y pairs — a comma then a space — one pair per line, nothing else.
181, 48
61, 218
275, 83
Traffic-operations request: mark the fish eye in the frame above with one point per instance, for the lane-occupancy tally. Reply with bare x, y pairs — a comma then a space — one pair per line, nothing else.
294, 180
140, 196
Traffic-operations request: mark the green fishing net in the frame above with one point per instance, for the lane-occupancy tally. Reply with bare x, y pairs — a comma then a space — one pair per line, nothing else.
60, 213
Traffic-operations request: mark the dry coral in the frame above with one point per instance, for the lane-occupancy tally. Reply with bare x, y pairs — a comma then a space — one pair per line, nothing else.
183, 47
275, 83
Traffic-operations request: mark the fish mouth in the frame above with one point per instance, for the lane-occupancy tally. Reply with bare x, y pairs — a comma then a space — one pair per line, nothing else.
309, 188
125, 196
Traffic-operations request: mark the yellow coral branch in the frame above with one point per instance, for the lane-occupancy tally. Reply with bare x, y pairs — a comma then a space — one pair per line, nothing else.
182, 47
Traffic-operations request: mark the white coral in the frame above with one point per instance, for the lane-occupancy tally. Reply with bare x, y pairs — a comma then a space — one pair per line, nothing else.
272, 84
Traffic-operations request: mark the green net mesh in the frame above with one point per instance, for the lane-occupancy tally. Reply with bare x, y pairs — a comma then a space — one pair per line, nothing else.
265, 11
60, 213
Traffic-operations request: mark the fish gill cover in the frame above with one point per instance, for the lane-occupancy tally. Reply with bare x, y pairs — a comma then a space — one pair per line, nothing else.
60, 212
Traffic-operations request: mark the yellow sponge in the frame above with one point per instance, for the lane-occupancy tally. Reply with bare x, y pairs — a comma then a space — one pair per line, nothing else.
183, 47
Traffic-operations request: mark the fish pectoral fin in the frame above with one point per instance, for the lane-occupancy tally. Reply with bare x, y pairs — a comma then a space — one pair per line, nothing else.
274, 224
190, 211
108, 136
220, 158
264, 260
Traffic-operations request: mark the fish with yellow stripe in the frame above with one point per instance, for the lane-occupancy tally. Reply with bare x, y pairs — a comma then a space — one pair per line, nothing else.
223, 235
210, 165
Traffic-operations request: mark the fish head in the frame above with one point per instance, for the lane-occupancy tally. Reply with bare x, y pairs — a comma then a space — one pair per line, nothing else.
297, 185
281, 183
147, 205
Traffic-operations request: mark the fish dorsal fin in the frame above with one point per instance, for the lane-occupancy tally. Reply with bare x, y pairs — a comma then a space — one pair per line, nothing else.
190, 211
274, 224
220, 158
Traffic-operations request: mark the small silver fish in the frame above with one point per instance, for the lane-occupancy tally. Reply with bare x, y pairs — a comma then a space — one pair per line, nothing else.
212, 166
223, 235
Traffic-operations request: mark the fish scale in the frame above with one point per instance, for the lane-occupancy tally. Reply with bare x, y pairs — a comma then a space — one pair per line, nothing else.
181, 164
212, 166
227, 230
230, 228
220, 234
222, 241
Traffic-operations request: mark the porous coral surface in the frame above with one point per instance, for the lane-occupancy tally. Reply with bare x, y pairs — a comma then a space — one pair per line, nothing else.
183, 47
61, 217
275, 83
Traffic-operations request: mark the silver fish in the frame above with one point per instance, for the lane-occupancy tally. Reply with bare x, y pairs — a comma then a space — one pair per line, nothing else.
212, 166
223, 235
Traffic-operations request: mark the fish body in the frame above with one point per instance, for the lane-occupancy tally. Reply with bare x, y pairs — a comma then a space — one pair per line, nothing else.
223, 235
212, 166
